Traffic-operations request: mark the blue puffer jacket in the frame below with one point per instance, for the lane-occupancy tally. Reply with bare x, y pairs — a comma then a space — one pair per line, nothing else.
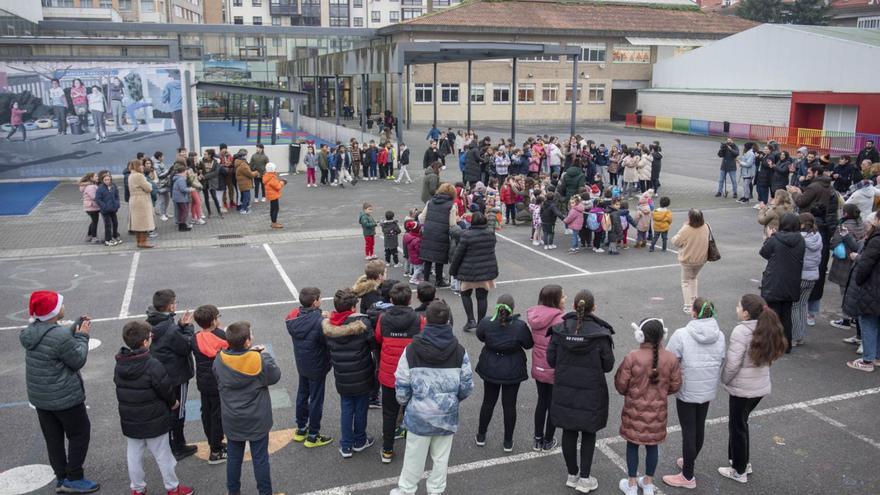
309, 346
700, 347
180, 192
433, 376
53, 357
108, 198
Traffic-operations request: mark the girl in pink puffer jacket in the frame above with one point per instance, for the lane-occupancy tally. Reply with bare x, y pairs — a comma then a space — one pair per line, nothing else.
88, 186
540, 318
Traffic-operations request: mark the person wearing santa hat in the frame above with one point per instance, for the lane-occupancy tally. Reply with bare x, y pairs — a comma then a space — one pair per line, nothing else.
54, 354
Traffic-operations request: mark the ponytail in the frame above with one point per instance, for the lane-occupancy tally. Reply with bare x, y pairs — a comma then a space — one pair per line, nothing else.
655, 349
768, 339
503, 309
580, 309
653, 331
584, 302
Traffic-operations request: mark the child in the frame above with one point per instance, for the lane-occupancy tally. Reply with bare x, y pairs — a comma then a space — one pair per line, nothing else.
402, 163
372, 160
549, 213
272, 187
508, 197
395, 329
421, 378
612, 226
312, 365
625, 221
540, 318
88, 186
146, 399
426, 293
535, 209
181, 194
412, 242
594, 223
643, 218
366, 287
368, 224
493, 212
662, 221
390, 232
382, 160
107, 198
311, 161
350, 341
574, 222
645, 377
209, 341
244, 374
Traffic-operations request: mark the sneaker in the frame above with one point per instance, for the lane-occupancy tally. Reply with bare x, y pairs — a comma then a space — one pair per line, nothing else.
375, 403
79, 486
538, 445
861, 365
718, 195
729, 472
109, 243
626, 488
598, 250
367, 444
397, 265
536, 243
686, 309
571, 481
398, 491
552, 246
470, 326
164, 218
546, 247
508, 446
679, 481
860, 350
201, 221
133, 492
811, 321
757, 206
549, 445
400, 433
853, 340
153, 234
184, 452
345, 452
748, 466
586, 485
646, 489
181, 490
387, 456
217, 457
317, 441
841, 324
480, 440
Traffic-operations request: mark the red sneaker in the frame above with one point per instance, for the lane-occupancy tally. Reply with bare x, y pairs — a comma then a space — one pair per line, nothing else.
181, 490
135, 492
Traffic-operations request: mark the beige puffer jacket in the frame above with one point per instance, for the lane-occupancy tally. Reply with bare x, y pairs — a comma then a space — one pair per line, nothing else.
740, 376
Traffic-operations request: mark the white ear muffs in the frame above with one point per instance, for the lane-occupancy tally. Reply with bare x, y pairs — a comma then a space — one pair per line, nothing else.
640, 335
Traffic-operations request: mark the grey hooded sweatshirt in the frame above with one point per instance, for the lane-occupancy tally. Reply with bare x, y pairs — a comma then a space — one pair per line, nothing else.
700, 348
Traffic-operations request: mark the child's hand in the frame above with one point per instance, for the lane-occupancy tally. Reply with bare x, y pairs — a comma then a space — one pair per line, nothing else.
187, 318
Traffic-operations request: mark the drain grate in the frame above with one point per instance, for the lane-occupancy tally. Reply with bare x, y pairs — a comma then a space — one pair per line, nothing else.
230, 236
232, 244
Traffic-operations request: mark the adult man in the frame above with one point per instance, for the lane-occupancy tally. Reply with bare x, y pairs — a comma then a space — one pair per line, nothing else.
432, 154
54, 354
869, 152
258, 165
434, 133
728, 153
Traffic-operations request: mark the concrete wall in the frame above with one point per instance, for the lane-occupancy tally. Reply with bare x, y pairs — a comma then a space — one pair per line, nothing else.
32, 11
748, 109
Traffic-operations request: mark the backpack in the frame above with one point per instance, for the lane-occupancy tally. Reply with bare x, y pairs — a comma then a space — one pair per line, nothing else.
593, 221
623, 223
606, 222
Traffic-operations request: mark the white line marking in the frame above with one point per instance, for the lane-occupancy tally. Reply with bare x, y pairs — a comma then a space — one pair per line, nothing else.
539, 253
281, 271
129, 285
660, 241
838, 424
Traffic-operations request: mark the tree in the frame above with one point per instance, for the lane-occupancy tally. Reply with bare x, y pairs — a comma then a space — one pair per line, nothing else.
771, 11
808, 12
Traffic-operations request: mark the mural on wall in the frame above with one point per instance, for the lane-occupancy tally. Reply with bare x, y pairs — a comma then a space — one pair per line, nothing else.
62, 119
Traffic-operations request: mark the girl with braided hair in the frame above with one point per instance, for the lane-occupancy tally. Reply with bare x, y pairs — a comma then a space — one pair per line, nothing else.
645, 378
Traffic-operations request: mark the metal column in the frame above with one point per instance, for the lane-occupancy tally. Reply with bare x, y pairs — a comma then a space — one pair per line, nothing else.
248, 131
408, 97
434, 94
363, 103
317, 108
336, 97
513, 96
275, 104
574, 81
469, 96
260, 121
399, 105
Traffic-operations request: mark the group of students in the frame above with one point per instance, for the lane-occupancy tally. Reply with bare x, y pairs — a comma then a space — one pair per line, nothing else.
348, 164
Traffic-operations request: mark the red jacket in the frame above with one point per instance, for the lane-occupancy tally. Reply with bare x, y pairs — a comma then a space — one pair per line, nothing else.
382, 159
394, 331
507, 196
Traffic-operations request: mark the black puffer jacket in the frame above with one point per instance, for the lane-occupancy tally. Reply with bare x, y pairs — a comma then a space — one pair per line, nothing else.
779, 179
350, 340
309, 346
474, 259
784, 252
867, 275
171, 345
145, 394
503, 358
820, 199
473, 165
435, 231
581, 355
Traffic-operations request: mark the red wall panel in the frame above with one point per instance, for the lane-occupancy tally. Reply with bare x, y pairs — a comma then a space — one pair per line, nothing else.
802, 113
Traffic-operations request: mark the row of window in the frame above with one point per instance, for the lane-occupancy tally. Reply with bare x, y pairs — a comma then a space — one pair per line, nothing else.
187, 14
449, 93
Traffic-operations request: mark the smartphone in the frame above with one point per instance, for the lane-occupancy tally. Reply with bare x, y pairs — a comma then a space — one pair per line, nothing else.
78, 323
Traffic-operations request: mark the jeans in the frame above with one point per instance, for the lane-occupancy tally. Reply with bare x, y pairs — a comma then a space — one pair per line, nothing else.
544, 427
74, 424
158, 446
61, 117
722, 187
689, 284
763, 194
245, 203
111, 226
569, 451
693, 428
260, 456
508, 405
273, 210
659, 235
632, 459
799, 311
212, 422
258, 188
353, 418
100, 125
324, 176
162, 200
390, 411
118, 110
870, 325
417, 449
16, 128
575, 239
738, 428
783, 310
310, 404
93, 222
747, 187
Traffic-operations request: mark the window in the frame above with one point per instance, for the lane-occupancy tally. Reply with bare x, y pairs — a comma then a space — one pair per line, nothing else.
478, 93
358, 22
525, 93
441, 3
148, 6
197, 18
540, 58
394, 16
276, 21
238, 20
628, 54
57, 3
239, 41
358, 4
124, 4
258, 20
375, 16
411, 13
549, 93
276, 42
449, 93
311, 13
872, 22
178, 12
594, 53
568, 93
256, 3
424, 93
236, 3
105, 4
500, 93
597, 93
339, 13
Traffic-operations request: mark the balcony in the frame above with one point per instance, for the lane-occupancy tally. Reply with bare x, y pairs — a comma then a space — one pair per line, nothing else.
81, 14
284, 8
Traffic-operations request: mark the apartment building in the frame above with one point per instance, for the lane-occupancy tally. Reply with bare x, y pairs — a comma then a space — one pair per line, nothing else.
160, 11
328, 13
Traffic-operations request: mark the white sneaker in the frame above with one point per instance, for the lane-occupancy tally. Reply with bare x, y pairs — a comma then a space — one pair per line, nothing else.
646, 489
586, 485
853, 340
398, 491
598, 250
748, 466
164, 218
536, 243
626, 488
859, 350
262, 200
730, 473
546, 248
201, 221
811, 321
571, 481
552, 246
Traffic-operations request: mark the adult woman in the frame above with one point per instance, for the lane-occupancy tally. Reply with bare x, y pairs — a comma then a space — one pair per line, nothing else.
436, 219
692, 241
475, 266
548, 312
97, 108
763, 175
643, 169
780, 283
502, 366
747, 170
140, 207
630, 164
152, 178
554, 156
88, 187
866, 276
809, 276
754, 344
614, 165
581, 353
655, 166
769, 215
850, 232
79, 98
209, 169
781, 170
431, 181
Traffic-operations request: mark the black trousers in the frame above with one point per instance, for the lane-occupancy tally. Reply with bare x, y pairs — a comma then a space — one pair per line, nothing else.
438, 268
738, 428
74, 424
178, 418
569, 451
783, 309
258, 188
508, 405
544, 427
212, 421
111, 226
692, 418
273, 210
390, 412
93, 223
482, 303
324, 176
391, 253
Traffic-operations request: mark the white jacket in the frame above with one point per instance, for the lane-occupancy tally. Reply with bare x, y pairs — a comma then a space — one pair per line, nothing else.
96, 102
700, 348
554, 155
644, 168
864, 199
741, 378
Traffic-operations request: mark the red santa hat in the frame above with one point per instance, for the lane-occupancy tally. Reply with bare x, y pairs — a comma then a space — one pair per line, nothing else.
44, 305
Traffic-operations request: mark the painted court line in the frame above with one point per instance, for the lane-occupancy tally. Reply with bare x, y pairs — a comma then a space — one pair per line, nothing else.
539, 253
603, 445
129, 285
281, 271
838, 424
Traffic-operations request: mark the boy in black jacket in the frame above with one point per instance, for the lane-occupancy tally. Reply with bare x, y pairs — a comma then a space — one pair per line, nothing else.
146, 398
210, 340
171, 345
390, 233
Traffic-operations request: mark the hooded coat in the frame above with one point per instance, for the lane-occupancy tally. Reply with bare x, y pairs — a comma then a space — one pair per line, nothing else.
430, 183
171, 345
435, 229
474, 259
309, 345
395, 329
350, 340
820, 199
741, 378
243, 378
866, 274
540, 318
581, 355
812, 255
54, 354
503, 358
144, 392
205, 347
573, 180
473, 165
644, 414
699, 347
839, 271
784, 252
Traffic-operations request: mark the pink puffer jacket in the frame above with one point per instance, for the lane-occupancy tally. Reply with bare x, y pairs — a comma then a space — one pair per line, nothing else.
88, 191
540, 318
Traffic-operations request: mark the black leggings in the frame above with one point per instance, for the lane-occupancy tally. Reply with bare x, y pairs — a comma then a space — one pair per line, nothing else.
783, 310
438, 268
544, 427
273, 210
693, 427
569, 451
482, 303
738, 428
508, 405
111, 226
510, 213
93, 222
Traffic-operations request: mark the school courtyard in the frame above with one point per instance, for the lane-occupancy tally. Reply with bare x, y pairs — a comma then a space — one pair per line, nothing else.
816, 433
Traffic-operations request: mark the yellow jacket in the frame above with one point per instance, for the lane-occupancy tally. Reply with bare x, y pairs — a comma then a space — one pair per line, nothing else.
662, 220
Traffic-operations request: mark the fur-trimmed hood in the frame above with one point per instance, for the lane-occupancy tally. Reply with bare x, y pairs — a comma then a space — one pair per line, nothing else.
364, 285
353, 326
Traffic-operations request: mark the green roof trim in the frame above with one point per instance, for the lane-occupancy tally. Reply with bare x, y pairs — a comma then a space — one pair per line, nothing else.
856, 35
